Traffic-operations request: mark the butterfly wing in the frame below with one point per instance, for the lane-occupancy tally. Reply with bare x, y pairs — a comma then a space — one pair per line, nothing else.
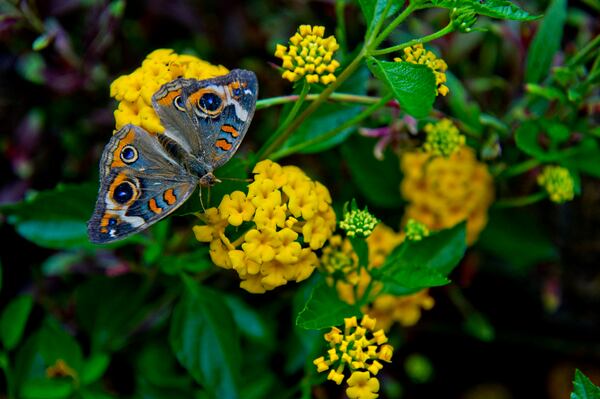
209, 117
140, 183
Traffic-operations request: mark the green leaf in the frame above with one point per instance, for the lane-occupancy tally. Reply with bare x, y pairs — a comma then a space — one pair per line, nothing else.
13, 320
56, 218
583, 388
502, 9
546, 42
94, 368
192, 262
324, 309
379, 181
462, 108
517, 237
373, 11
413, 85
249, 322
40, 351
205, 340
420, 264
110, 321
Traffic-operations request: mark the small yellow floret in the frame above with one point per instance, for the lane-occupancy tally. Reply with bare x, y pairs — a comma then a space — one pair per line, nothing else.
309, 56
558, 183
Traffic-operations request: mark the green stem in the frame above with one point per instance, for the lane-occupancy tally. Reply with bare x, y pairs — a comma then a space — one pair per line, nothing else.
377, 27
442, 32
521, 168
340, 30
289, 118
279, 139
332, 133
339, 97
520, 201
390, 28
584, 52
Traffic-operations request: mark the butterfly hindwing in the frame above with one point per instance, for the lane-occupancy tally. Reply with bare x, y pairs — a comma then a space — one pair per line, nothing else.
140, 183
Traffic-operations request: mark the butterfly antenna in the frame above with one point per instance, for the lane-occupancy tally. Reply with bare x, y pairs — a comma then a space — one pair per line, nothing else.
201, 202
236, 179
208, 195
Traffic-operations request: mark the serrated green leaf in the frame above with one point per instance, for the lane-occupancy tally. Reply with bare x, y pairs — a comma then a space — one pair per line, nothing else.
13, 320
502, 9
583, 388
205, 340
56, 218
546, 42
324, 309
420, 264
413, 85
249, 322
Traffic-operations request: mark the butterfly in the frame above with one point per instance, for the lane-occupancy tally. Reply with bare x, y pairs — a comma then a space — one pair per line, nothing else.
145, 176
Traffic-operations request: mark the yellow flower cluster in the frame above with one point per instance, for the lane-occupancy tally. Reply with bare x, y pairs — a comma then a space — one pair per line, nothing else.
283, 218
59, 369
352, 284
353, 349
443, 138
418, 55
134, 91
558, 183
445, 191
309, 55
359, 223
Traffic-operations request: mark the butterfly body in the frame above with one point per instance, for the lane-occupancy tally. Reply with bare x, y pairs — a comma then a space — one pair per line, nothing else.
145, 176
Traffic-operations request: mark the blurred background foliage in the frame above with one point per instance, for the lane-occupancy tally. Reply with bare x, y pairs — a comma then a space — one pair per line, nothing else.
521, 314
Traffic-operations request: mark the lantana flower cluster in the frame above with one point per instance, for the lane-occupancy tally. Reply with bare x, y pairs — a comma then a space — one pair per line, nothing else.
134, 91
351, 281
360, 349
418, 55
309, 56
558, 183
445, 191
279, 223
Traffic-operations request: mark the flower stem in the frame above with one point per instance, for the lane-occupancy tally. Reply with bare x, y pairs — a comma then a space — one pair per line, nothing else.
442, 32
332, 133
521, 168
280, 137
390, 28
339, 97
340, 30
520, 201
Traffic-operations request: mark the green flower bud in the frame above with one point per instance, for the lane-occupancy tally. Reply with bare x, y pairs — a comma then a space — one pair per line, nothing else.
463, 19
415, 231
359, 223
443, 138
558, 183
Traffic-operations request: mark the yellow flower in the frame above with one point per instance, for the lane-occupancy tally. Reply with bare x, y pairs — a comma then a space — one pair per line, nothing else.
418, 55
309, 56
405, 309
273, 244
134, 91
443, 138
558, 183
359, 349
362, 386
445, 191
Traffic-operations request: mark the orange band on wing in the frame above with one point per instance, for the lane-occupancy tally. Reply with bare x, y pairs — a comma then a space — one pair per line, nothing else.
128, 139
230, 129
168, 99
169, 196
223, 144
154, 207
